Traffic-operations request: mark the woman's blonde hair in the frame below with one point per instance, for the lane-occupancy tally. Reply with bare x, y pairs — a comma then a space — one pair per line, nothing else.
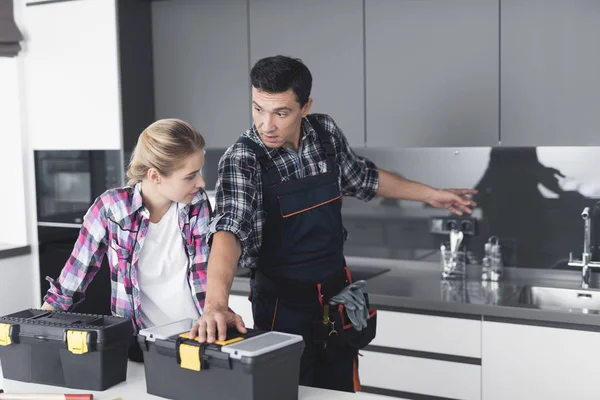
163, 145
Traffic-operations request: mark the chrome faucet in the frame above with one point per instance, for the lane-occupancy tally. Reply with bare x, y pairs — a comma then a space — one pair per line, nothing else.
586, 264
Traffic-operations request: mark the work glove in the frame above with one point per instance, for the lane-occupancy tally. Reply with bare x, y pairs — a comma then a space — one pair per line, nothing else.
353, 299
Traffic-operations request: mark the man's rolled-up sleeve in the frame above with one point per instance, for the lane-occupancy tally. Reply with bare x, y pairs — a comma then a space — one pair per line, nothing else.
359, 175
236, 200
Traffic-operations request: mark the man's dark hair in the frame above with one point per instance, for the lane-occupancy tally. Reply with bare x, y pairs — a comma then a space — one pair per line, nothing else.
280, 73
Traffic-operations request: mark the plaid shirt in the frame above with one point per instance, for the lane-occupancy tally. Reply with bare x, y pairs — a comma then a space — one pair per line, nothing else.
117, 224
239, 196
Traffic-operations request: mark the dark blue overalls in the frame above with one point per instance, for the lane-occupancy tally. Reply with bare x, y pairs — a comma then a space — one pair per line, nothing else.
301, 266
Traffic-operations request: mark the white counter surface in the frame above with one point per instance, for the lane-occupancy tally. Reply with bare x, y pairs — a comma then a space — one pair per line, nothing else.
135, 389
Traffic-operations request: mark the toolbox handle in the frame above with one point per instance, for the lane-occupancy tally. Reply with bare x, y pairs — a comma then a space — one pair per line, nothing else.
68, 319
40, 315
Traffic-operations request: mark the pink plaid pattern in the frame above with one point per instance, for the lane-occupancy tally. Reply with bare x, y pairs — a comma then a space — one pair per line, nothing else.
116, 225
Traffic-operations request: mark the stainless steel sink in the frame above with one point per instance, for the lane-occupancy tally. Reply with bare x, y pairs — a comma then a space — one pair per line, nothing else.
559, 298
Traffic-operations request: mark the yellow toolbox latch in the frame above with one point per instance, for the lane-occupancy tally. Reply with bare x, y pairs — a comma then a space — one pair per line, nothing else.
5, 335
190, 357
186, 335
230, 341
77, 342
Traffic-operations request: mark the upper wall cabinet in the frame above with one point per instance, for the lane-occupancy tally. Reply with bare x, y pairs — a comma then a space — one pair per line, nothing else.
550, 72
432, 72
327, 35
88, 73
72, 75
201, 66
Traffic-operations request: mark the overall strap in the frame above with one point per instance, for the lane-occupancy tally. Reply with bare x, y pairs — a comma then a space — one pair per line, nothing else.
267, 164
326, 140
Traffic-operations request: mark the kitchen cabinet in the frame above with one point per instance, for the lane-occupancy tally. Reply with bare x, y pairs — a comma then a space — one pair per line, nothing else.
88, 73
461, 337
422, 376
432, 73
201, 66
327, 35
72, 75
550, 73
55, 246
532, 362
424, 355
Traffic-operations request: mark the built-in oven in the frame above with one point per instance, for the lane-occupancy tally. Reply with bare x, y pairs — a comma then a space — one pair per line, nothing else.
67, 183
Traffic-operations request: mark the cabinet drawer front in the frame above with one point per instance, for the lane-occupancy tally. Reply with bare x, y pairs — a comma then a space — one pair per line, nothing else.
420, 375
461, 337
537, 362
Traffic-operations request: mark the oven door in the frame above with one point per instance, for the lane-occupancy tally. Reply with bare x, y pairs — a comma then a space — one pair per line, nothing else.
68, 182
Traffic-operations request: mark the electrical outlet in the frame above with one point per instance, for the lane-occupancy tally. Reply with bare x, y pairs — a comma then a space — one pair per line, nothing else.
443, 225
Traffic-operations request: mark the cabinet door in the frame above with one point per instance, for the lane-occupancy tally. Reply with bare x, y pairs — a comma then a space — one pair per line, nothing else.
423, 355
531, 362
419, 377
550, 72
201, 66
53, 255
460, 337
327, 35
432, 73
72, 75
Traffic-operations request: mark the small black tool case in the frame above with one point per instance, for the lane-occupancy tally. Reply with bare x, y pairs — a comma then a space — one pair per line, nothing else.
80, 351
256, 366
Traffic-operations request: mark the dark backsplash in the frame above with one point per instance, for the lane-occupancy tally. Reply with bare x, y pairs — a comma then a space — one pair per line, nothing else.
531, 198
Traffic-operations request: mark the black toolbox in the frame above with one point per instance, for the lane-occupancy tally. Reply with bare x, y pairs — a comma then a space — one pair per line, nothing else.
80, 351
256, 366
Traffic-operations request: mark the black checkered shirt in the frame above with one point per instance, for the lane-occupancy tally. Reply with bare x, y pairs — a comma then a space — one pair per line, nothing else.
239, 196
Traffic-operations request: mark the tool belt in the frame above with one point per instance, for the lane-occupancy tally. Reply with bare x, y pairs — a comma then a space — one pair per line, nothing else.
304, 293
332, 329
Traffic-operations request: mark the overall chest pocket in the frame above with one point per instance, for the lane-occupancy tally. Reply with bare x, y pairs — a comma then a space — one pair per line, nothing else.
311, 219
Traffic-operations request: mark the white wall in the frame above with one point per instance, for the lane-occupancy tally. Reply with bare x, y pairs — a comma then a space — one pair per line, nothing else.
13, 224
19, 275
17, 291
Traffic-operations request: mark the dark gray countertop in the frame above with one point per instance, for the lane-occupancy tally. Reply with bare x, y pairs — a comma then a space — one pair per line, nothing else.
13, 250
417, 286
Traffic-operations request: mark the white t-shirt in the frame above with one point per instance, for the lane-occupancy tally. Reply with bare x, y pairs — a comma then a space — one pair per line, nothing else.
166, 295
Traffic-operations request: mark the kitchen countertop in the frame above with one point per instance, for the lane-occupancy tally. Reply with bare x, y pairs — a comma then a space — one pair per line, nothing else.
417, 286
13, 250
134, 388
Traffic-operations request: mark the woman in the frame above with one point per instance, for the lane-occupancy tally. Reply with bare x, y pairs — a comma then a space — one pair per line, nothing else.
153, 231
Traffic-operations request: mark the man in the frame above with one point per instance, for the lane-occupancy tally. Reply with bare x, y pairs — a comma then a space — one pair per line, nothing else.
278, 211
